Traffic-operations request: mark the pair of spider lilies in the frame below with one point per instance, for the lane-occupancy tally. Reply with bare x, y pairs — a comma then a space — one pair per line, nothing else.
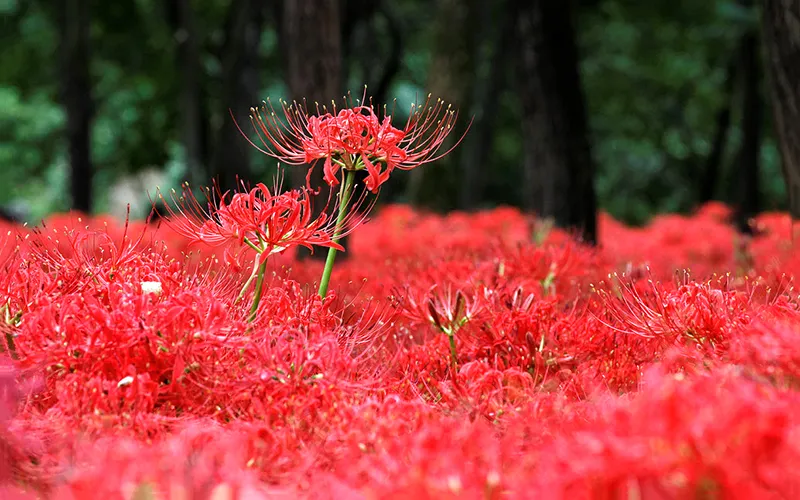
345, 141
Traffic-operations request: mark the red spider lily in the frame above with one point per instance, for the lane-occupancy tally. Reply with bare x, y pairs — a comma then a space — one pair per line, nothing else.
447, 311
354, 138
638, 386
269, 223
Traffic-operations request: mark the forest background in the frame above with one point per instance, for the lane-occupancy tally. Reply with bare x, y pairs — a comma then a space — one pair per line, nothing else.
633, 108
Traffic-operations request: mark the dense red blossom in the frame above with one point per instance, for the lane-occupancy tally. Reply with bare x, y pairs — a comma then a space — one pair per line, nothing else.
662, 364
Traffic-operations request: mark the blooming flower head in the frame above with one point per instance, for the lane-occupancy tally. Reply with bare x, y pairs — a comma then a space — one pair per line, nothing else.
354, 138
446, 309
269, 223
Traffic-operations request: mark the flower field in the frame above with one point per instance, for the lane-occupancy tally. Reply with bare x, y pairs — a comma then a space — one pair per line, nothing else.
460, 356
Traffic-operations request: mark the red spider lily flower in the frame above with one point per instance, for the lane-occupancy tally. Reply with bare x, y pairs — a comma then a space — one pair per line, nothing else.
269, 223
446, 310
354, 138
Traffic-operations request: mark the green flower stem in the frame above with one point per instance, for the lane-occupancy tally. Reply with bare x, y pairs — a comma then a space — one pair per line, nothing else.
259, 290
252, 245
453, 354
10, 321
345, 192
12, 349
249, 281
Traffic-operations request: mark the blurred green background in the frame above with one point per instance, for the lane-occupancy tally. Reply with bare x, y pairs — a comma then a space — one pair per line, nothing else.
656, 76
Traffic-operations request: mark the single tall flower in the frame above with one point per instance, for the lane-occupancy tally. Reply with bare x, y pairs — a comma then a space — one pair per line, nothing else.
447, 310
354, 138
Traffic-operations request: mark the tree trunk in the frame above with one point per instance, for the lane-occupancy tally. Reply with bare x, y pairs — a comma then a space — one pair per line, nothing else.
713, 162
752, 114
313, 59
191, 100
449, 77
76, 94
313, 47
782, 35
384, 75
379, 63
394, 59
558, 165
376, 54
240, 87
491, 47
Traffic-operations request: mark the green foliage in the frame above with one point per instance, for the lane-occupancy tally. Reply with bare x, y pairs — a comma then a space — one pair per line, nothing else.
31, 156
653, 74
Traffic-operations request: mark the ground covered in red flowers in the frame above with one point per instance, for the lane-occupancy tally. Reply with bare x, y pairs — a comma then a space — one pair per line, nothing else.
459, 356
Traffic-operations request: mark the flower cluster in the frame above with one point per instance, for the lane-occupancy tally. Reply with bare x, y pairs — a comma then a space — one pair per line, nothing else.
355, 138
565, 384
269, 223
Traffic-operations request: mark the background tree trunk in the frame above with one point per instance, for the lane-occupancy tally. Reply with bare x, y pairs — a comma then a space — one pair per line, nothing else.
313, 58
782, 35
240, 87
449, 78
313, 47
558, 165
713, 163
191, 101
494, 38
376, 53
752, 115
76, 95
383, 76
